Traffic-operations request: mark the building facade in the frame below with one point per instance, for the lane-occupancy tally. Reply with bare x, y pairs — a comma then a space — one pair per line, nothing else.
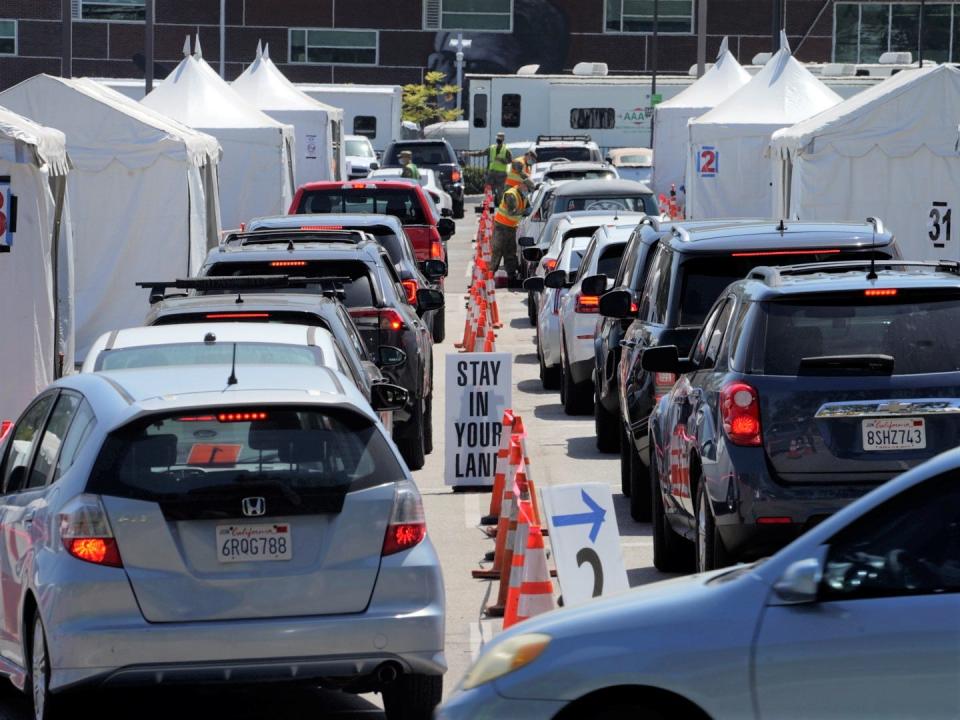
397, 41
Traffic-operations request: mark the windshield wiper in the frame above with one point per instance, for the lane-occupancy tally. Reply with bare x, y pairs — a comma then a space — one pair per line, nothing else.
848, 364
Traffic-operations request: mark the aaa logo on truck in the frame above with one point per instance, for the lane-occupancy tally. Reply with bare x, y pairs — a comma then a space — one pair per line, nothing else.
708, 161
637, 116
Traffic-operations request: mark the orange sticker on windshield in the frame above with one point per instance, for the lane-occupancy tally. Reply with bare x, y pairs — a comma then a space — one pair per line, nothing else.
214, 454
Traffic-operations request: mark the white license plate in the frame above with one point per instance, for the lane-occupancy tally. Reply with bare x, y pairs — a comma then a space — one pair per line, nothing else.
894, 434
254, 542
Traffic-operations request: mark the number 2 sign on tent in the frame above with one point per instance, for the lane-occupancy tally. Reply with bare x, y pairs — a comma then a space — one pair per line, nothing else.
479, 389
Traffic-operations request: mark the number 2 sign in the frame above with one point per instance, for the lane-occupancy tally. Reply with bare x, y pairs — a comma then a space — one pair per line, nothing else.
708, 161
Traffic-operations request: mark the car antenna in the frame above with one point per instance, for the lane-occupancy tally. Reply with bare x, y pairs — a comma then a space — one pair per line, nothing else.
781, 228
239, 299
232, 380
872, 275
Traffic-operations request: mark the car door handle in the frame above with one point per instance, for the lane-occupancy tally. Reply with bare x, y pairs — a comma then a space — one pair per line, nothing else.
628, 343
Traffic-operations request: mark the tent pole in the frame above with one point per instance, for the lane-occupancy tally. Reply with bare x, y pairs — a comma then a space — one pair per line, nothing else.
653, 81
223, 37
148, 46
923, 7
66, 63
777, 23
701, 37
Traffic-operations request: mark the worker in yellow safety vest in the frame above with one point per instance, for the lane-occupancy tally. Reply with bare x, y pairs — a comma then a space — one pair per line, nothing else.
516, 174
505, 221
529, 160
498, 159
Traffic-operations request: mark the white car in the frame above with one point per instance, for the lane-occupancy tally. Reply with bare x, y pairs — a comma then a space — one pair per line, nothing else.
360, 155
428, 181
580, 311
561, 171
532, 224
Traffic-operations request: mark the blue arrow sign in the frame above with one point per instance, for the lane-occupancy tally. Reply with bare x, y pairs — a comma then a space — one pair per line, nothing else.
595, 517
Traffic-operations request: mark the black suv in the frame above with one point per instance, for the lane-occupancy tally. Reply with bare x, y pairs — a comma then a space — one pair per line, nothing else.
437, 155
806, 387
688, 271
365, 280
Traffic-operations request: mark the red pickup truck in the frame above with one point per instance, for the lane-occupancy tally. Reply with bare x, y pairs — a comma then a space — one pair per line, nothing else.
402, 199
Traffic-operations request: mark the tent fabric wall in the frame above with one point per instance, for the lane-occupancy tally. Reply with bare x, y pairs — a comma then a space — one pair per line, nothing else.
671, 136
881, 153
131, 214
37, 318
257, 171
728, 166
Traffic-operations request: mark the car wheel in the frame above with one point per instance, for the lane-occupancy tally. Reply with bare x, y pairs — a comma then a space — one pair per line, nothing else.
549, 376
412, 697
39, 678
639, 487
605, 424
710, 552
531, 310
410, 439
626, 447
671, 552
439, 325
576, 400
428, 426
458, 209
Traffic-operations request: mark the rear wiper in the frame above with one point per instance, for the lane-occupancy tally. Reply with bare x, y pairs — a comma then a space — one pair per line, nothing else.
843, 364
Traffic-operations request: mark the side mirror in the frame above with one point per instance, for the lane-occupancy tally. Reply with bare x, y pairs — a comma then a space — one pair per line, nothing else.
446, 227
386, 396
446, 212
374, 166
390, 356
526, 241
664, 358
434, 269
429, 299
617, 304
532, 254
556, 279
594, 285
533, 284
799, 582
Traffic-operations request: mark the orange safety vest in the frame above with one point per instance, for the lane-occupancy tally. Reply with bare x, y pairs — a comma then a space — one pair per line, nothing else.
514, 178
503, 215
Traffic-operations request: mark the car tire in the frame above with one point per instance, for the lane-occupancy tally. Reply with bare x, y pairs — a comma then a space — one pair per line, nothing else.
428, 425
439, 325
626, 447
531, 310
412, 697
574, 396
606, 424
671, 552
38, 680
710, 553
458, 209
639, 488
410, 440
549, 376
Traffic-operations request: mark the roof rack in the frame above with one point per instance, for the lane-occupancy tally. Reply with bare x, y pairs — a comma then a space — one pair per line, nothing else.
293, 236
563, 138
772, 276
331, 286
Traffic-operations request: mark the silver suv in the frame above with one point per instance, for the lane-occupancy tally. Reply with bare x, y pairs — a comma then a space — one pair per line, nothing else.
215, 524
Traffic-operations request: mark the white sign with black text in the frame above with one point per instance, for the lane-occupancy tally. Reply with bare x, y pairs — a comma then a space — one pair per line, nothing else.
478, 388
585, 541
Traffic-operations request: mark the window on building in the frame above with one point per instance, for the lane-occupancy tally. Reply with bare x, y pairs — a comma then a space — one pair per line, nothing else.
333, 47
636, 16
365, 125
112, 10
510, 110
480, 110
864, 31
485, 15
8, 37
592, 118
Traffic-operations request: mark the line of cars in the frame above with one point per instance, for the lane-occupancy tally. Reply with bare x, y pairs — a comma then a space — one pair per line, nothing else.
225, 494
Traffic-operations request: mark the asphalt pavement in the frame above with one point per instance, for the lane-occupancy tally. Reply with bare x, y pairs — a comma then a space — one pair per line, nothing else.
563, 451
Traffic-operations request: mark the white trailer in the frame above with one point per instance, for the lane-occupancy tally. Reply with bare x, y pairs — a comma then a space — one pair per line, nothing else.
373, 111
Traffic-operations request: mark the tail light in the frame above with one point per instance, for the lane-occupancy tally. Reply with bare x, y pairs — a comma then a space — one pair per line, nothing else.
388, 319
740, 411
587, 304
436, 250
238, 316
85, 532
455, 176
407, 526
549, 264
5, 427
662, 383
411, 287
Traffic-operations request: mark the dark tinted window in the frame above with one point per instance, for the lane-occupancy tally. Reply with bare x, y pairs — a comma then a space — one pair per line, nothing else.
83, 423
291, 317
627, 266
20, 447
353, 277
578, 153
480, 110
557, 175
609, 261
401, 203
365, 125
592, 118
48, 449
918, 335
424, 154
510, 111
624, 203
656, 291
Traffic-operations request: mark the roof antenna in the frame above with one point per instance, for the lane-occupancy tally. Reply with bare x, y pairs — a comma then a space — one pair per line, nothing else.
239, 299
290, 247
232, 380
872, 275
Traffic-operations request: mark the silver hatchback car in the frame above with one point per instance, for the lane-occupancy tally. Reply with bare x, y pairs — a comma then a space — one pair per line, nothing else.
158, 531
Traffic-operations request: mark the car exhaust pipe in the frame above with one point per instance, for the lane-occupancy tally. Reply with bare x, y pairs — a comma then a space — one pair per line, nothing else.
387, 673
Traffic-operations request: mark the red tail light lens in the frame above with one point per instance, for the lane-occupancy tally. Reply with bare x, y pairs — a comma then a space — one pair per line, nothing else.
241, 416
740, 411
407, 527
5, 427
549, 264
880, 292
85, 532
587, 304
237, 316
321, 227
436, 250
410, 287
100, 551
288, 263
391, 320
455, 176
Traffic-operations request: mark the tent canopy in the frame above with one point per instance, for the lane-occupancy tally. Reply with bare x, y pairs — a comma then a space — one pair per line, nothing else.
263, 85
47, 146
724, 78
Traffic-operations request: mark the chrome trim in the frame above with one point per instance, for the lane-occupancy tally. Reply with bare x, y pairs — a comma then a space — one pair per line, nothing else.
887, 408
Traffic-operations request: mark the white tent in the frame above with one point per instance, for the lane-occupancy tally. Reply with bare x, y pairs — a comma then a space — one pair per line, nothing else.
143, 200
36, 265
670, 138
256, 172
728, 168
318, 127
890, 152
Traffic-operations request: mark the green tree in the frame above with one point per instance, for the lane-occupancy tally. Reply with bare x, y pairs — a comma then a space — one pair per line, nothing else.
421, 103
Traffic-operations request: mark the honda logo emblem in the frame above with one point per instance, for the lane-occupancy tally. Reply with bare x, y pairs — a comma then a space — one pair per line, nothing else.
254, 506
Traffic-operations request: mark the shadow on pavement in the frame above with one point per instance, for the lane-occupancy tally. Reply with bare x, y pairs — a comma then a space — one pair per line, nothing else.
520, 323
534, 387
586, 448
525, 359
627, 525
646, 575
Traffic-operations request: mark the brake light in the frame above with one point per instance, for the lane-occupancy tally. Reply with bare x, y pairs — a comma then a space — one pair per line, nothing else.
774, 520
321, 227
765, 253
874, 292
288, 263
634, 308
436, 250
455, 176
587, 304
740, 411
236, 316
241, 416
85, 532
407, 527
411, 287
197, 418
388, 319
549, 264
5, 427
358, 185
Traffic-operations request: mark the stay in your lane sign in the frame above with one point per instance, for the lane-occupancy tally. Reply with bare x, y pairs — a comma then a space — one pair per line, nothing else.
478, 390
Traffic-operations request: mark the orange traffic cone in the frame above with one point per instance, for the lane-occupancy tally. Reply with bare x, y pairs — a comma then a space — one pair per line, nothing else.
536, 589
512, 605
498, 609
488, 342
519, 428
500, 470
506, 520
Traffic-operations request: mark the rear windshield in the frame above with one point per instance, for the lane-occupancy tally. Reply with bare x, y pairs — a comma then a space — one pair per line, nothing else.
353, 277
399, 202
299, 460
423, 154
208, 354
287, 317
624, 203
913, 333
359, 148
576, 153
558, 175
609, 261
642, 160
